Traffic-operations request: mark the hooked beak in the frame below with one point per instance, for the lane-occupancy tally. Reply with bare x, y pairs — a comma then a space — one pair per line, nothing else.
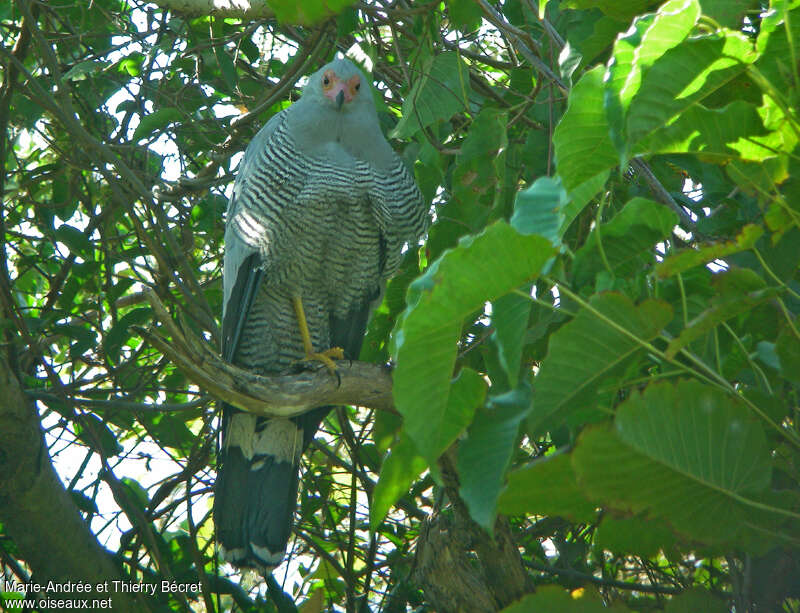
340, 99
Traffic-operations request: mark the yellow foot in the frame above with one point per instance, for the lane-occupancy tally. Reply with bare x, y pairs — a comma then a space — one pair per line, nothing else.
326, 357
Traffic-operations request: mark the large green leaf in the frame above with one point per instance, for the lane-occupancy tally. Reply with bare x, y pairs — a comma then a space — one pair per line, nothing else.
478, 177
682, 77
626, 242
728, 13
619, 10
77, 241
426, 334
787, 348
510, 315
119, 333
485, 455
778, 45
440, 90
555, 599
696, 599
686, 453
689, 258
308, 12
97, 435
539, 209
714, 135
587, 350
739, 291
633, 535
581, 195
156, 122
467, 393
581, 140
401, 466
546, 487
648, 39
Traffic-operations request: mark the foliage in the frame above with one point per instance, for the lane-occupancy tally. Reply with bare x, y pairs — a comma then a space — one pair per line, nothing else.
599, 334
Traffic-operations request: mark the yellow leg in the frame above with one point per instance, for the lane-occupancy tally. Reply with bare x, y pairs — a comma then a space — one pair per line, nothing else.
328, 356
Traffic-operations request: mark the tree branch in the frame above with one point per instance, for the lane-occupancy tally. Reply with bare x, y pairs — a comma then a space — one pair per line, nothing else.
38, 513
283, 395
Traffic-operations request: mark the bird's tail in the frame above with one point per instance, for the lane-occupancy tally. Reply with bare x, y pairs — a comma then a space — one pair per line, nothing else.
256, 490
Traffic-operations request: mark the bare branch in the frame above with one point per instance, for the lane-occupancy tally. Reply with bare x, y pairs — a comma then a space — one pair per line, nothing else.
284, 395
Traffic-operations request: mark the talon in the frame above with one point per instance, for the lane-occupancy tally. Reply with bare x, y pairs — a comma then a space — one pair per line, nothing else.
326, 357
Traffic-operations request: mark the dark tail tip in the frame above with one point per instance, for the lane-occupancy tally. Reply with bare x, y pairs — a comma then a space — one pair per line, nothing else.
254, 502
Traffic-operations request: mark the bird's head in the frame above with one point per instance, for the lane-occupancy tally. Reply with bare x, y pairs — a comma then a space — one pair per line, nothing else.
339, 84
336, 118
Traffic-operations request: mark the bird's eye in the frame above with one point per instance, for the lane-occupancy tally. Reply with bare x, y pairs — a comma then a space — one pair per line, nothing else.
326, 81
358, 86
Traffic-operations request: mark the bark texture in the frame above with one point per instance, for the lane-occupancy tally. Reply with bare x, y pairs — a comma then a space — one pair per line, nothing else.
462, 568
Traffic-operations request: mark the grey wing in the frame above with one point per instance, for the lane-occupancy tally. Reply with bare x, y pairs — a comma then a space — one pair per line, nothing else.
243, 269
400, 211
255, 492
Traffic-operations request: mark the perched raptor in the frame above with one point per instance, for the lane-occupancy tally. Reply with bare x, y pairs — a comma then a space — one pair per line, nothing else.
320, 211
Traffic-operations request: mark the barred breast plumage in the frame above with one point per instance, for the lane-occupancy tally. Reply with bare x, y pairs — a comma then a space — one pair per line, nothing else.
321, 210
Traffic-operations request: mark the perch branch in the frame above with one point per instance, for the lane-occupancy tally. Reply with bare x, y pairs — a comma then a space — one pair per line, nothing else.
282, 395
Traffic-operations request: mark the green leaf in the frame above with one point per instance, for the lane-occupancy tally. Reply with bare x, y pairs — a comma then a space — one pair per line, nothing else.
767, 354
156, 122
778, 45
739, 291
485, 455
585, 351
85, 338
696, 599
714, 135
478, 178
97, 435
119, 335
682, 77
580, 196
628, 240
81, 69
685, 453
546, 487
619, 10
728, 13
136, 493
170, 431
788, 349
635, 51
539, 209
441, 90
308, 12
77, 241
401, 466
581, 141
426, 334
689, 258
510, 315
224, 61
467, 393
131, 65
83, 502
633, 535
555, 599
465, 14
